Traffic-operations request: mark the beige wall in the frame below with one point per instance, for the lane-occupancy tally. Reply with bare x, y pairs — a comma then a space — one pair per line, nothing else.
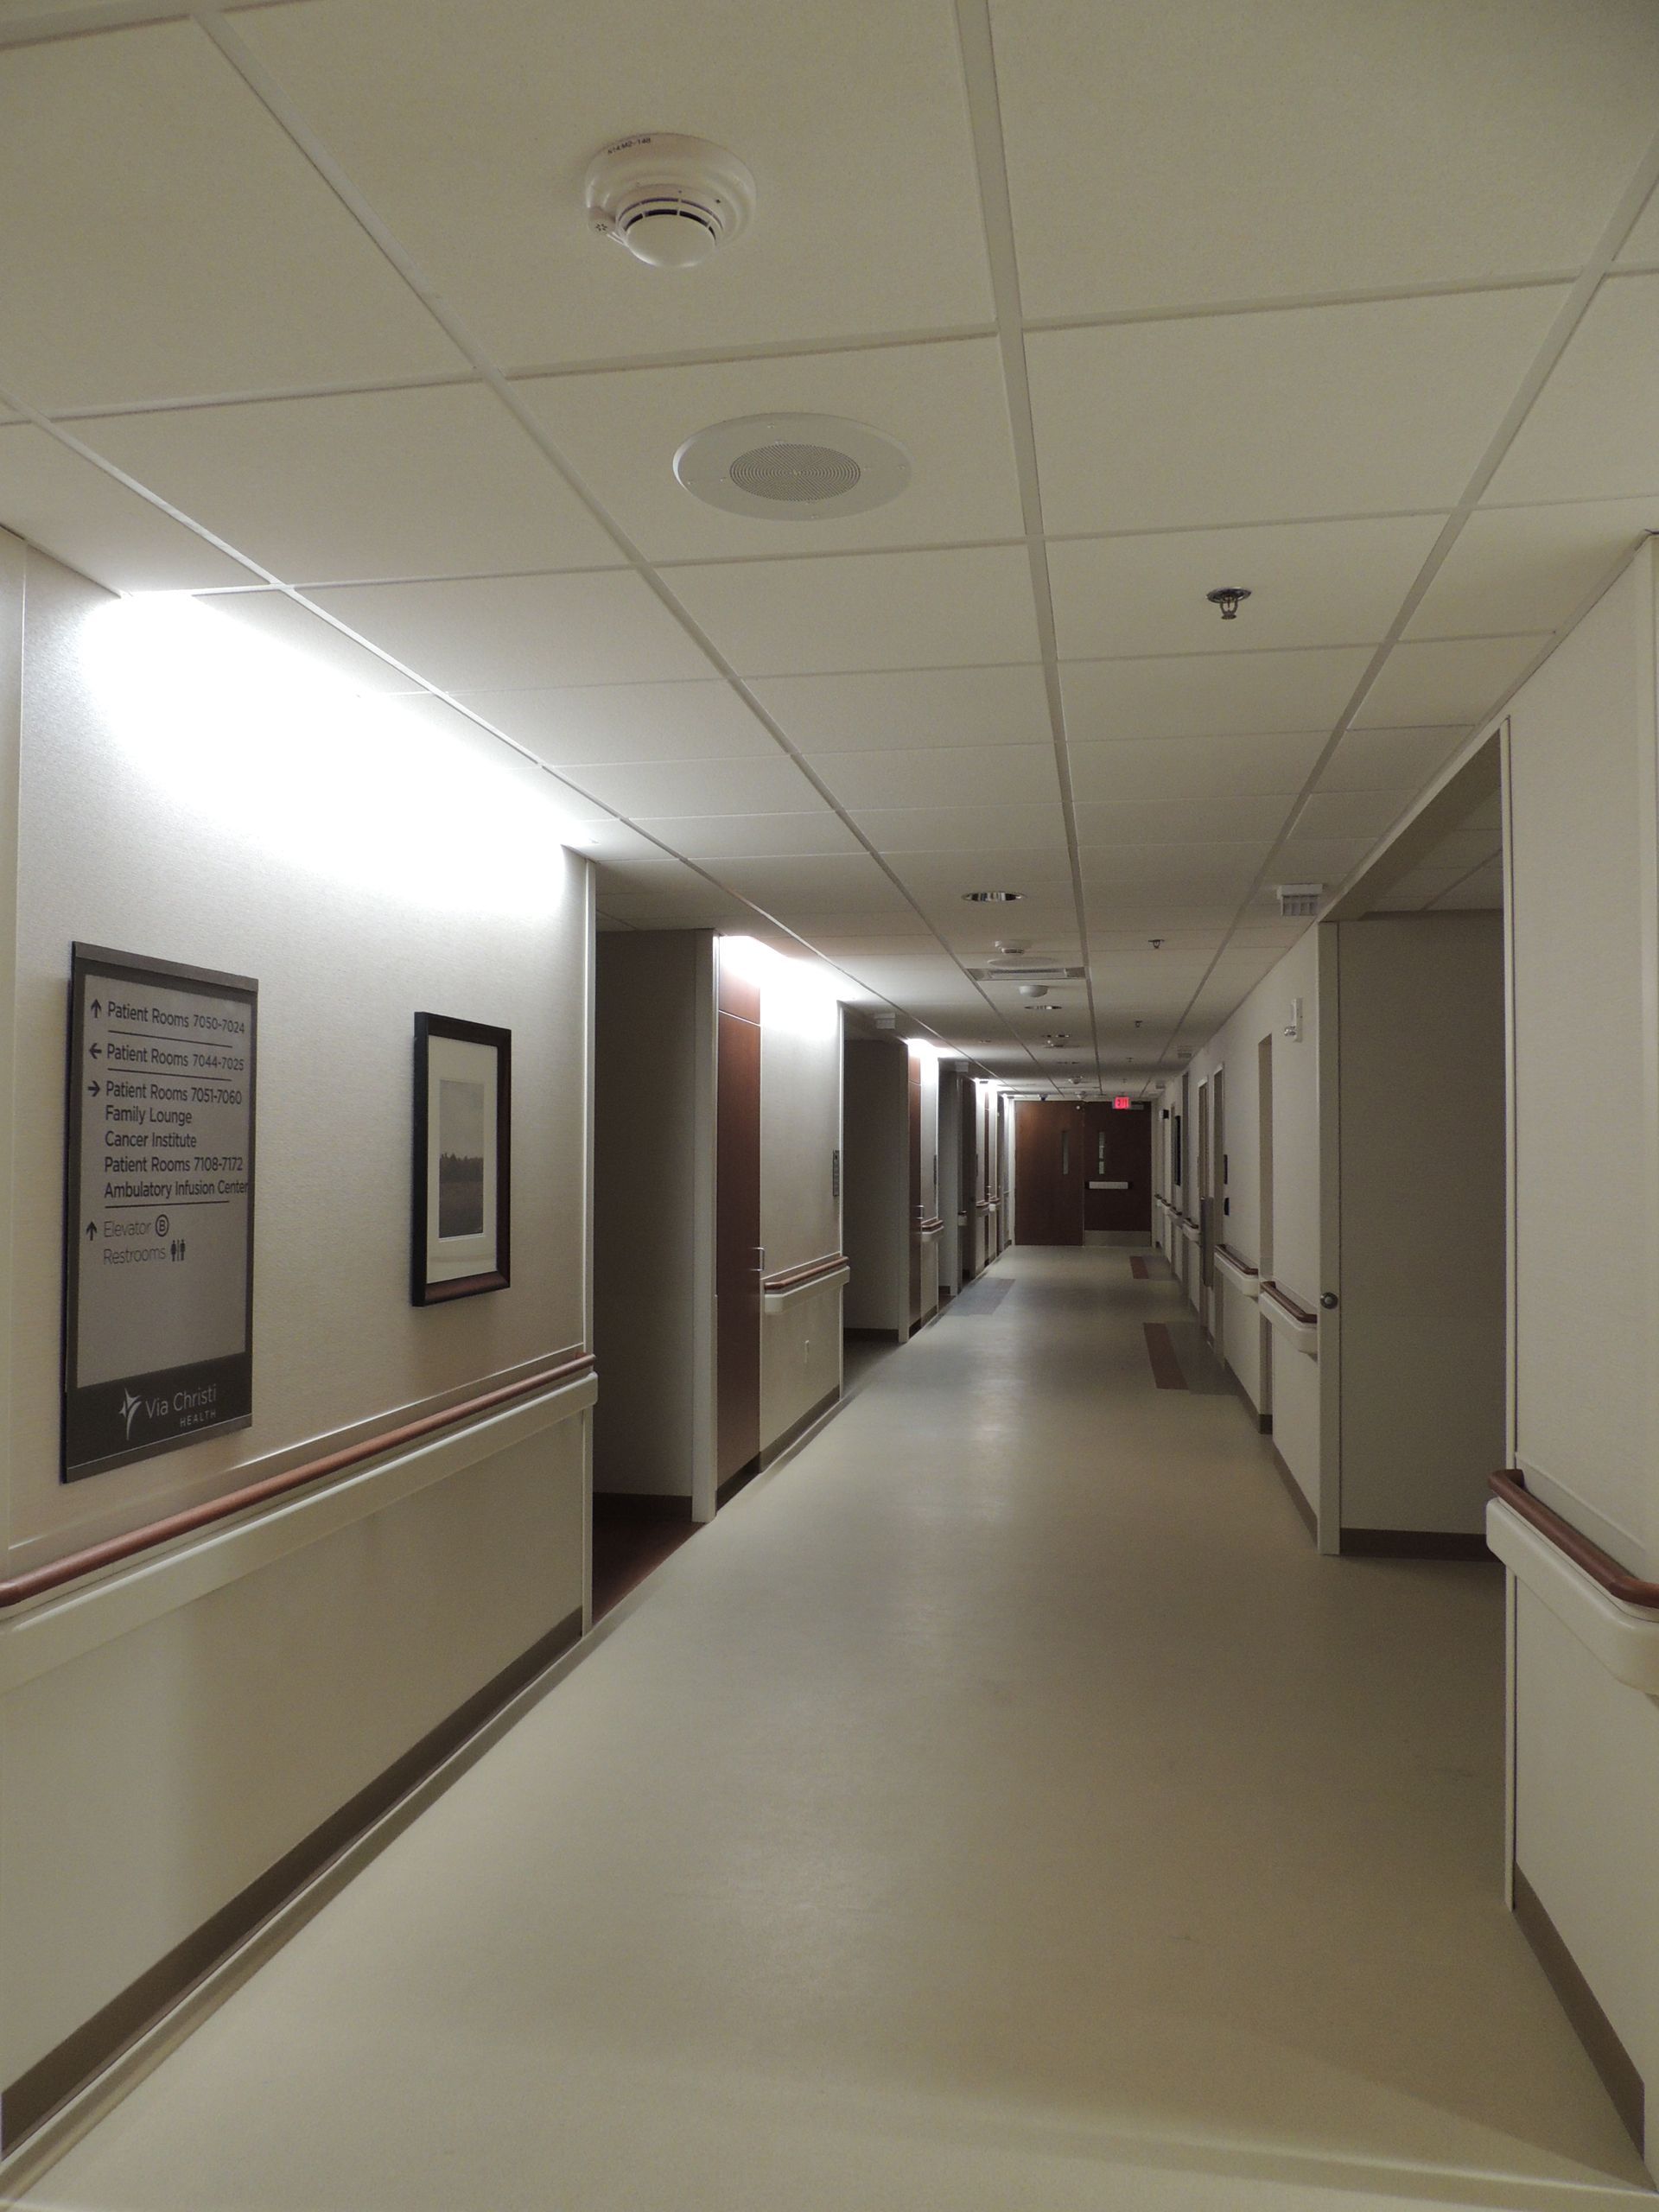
128, 839
1580, 802
1421, 1109
170, 1730
800, 1214
1277, 1378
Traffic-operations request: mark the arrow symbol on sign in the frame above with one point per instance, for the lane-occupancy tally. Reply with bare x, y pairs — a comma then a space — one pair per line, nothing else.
97, 1051
92, 1229
91, 1090
97, 1010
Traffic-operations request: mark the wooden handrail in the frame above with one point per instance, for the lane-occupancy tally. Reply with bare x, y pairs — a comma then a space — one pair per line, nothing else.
1509, 1486
76, 1565
1226, 1252
791, 1278
926, 1223
1271, 1290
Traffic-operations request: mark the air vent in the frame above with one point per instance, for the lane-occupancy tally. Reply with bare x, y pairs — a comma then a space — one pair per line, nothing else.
793, 467
1299, 902
1025, 971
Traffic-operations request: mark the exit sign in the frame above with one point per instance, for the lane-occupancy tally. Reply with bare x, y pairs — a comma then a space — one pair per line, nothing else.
1119, 1105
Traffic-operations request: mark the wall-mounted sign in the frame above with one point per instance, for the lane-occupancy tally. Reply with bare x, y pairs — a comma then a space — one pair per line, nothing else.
158, 1224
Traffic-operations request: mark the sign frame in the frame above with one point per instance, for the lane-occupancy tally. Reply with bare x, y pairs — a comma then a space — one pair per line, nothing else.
234, 1370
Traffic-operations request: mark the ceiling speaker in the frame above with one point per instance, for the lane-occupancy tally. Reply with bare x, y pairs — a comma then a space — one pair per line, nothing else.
793, 467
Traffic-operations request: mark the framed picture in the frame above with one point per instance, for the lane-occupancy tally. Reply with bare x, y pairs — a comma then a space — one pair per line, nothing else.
463, 1160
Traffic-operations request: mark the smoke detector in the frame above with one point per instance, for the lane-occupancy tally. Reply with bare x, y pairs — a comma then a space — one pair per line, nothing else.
1299, 902
671, 200
793, 467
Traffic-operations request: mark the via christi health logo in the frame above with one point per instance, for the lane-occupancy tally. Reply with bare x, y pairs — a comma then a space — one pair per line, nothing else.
130, 1405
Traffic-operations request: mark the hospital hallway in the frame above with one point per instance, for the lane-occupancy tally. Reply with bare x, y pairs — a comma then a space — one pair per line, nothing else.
1000, 1805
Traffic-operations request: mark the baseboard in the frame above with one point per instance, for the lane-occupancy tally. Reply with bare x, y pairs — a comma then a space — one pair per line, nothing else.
1298, 1497
1578, 2001
792, 1435
1413, 1543
879, 1336
1263, 1422
639, 1505
52, 2081
728, 1489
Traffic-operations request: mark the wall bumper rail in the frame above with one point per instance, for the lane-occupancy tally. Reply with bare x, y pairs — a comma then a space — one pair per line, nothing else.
1291, 1318
1243, 1276
1613, 1613
564, 1389
1190, 1229
780, 1291
930, 1230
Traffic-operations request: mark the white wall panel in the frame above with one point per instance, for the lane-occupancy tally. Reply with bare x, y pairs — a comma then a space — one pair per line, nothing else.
1581, 807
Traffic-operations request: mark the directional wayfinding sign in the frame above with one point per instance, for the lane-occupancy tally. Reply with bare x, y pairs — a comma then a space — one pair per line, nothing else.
158, 1227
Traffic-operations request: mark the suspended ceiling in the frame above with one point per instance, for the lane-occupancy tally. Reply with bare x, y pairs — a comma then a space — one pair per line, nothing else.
1354, 306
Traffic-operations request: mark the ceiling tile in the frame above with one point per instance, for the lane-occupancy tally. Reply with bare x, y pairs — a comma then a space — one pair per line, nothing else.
912, 829
471, 130
1231, 153
816, 884
1593, 433
943, 404
437, 480
911, 708
1351, 814
617, 722
1311, 859
866, 611
70, 508
1413, 891
1458, 680
750, 837
697, 787
1198, 871
521, 631
1161, 769
939, 775
1481, 892
1530, 568
1209, 695
1310, 583
285, 622
1389, 759
226, 266
1181, 821
1303, 411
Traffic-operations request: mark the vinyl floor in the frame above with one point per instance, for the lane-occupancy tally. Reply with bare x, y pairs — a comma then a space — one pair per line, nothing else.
999, 1806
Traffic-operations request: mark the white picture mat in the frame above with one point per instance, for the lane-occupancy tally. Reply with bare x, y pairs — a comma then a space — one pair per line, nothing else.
451, 1059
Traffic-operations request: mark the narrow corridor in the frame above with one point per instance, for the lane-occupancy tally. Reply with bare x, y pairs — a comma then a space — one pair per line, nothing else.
999, 1805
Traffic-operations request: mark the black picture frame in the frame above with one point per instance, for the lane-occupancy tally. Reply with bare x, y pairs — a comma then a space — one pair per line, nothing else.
461, 1057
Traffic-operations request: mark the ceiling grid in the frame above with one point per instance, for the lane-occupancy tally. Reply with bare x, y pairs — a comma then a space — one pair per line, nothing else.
1154, 300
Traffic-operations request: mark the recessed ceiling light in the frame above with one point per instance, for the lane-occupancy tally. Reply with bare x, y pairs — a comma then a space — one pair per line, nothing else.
793, 467
993, 898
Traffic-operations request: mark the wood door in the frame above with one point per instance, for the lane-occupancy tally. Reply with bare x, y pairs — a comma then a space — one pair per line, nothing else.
1117, 1179
913, 1188
738, 1260
1048, 1178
